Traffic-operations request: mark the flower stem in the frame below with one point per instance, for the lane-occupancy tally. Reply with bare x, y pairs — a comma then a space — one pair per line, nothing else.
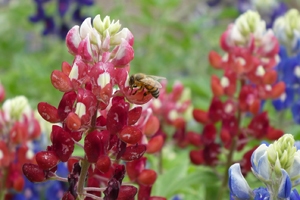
85, 163
93, 196
2, 186
94, 189
84, 170
231, 152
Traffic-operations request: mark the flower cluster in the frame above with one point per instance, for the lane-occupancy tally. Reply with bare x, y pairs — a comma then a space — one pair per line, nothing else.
52, 25
276, 165
248, 64
269, 10
99, 110
172, 109
287, 30
18, 129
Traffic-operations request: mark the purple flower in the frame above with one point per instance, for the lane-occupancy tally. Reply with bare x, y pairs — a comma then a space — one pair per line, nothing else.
59, 25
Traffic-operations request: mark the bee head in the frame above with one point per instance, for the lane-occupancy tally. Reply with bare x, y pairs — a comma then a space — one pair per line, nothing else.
131, 80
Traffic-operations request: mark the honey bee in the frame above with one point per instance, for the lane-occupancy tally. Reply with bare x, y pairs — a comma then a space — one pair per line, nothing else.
145, 81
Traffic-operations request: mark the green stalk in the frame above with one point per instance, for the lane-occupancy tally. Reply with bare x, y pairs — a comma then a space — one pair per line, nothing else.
230, 154
85, 163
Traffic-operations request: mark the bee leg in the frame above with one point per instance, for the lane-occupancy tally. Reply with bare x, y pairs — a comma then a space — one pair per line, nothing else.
131, 88
139, 90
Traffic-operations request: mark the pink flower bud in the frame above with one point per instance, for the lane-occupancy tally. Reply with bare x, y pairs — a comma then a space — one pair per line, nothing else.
123, 55
73, 39
215, 60
134, 152
216, 87
155, 144
103, 163
61, 81
63, 145
47, 159
33, 173
85, 49
95, 145
48, 112
151, 126
278, 89
200, 116
127, 192
147, 177
197, 157
130, 134
73, 121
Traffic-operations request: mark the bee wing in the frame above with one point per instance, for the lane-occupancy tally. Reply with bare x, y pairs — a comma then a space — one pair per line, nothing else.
151, 82
155, 77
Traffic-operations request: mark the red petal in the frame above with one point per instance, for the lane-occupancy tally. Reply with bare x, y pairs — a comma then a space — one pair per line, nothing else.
197, 157
215, 60
73, 122
95, 145
200, 116
66, 68
103, 163
48, 112
155, 144
130, 134
209, 134
127, 192
61, 81
47, 159
66, 104
33, 173
63, 145
134, 115
147, 177
134, 152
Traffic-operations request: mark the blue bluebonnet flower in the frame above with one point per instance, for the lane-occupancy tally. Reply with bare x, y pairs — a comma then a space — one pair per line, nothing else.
59, 26
287, 31
276, 165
